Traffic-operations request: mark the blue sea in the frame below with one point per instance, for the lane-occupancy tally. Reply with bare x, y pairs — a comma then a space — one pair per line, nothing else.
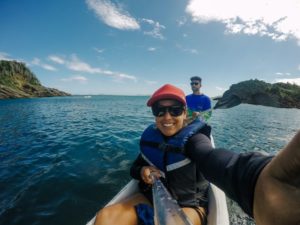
63, 158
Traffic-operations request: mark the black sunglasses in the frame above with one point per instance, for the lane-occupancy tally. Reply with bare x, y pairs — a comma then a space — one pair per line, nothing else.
195, 83
174, 110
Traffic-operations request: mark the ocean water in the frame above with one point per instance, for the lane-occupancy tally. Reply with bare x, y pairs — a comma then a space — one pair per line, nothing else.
63, 158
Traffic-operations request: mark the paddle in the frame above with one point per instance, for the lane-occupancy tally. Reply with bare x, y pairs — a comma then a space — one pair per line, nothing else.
166, 209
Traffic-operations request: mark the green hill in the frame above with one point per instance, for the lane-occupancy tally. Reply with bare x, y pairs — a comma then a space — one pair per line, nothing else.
17, 81
257, 92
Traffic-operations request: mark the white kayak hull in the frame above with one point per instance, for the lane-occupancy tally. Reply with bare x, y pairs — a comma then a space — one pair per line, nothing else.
218, 213
217, 206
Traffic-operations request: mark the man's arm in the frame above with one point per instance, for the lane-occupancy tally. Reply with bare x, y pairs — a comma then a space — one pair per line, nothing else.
206, 113
266, 188
235, 173
277, 192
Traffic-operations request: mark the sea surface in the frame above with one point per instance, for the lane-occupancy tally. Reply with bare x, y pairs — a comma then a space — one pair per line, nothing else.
63, 158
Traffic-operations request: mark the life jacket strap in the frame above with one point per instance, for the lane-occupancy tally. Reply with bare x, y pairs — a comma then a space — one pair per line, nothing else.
162, 146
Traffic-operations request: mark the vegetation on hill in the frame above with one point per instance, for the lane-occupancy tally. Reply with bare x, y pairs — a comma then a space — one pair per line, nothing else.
258, 92
17, 81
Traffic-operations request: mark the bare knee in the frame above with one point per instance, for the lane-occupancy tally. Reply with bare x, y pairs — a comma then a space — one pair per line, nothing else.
116, 214
107, 215
122, 213
196, 215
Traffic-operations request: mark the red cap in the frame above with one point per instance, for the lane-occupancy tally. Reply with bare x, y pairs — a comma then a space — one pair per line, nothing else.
167, 91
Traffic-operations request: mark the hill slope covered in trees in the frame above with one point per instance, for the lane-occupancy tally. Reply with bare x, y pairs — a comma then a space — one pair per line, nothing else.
257, 92
17, 81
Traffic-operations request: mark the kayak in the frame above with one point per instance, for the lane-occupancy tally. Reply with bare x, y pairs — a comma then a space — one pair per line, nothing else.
217, 206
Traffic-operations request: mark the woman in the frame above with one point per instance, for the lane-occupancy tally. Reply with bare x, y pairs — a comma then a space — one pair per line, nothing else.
267, 188
163, 147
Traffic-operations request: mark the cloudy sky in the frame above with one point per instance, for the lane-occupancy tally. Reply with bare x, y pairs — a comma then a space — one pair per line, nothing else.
132, 47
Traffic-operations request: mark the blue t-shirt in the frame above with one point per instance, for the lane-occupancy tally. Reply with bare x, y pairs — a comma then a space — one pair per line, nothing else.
198, 103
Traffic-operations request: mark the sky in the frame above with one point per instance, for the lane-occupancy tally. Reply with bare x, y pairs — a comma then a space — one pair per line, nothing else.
132, 47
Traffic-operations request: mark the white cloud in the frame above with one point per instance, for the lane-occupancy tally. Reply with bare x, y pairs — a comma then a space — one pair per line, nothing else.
283, 74
126, 76
156, 29
276, 19
113, 15
78, 78
220, 88
48, 67
7, 57
151, 49
181, 21
291, 81
78, 65
189, 50
99, 50
193, 51
4, 56
37, 62
56, 59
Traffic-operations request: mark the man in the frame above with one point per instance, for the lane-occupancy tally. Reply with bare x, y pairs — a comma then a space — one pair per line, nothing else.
199, 105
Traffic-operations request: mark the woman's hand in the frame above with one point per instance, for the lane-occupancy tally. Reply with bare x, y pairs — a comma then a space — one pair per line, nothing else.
147, 172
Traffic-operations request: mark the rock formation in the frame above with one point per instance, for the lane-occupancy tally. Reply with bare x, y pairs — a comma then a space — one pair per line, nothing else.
283, 95
17, 81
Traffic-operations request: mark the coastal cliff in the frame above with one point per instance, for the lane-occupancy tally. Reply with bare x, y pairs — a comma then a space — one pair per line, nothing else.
17, 81
257, 92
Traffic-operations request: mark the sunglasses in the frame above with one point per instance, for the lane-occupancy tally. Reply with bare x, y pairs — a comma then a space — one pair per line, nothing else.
174, 110
195, 83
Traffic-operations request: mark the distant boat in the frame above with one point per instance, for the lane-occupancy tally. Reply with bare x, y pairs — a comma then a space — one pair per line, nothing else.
87, 96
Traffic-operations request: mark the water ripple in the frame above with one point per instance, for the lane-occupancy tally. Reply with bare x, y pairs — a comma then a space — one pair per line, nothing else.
62, 157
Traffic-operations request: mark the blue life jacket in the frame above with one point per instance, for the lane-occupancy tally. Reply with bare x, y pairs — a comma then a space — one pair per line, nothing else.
182, 177
153, 146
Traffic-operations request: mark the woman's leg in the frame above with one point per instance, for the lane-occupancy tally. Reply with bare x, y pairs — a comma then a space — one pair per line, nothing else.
122, 213
196, 215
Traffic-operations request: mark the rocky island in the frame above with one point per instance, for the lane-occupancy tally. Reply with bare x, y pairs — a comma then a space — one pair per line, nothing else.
17, 81
257, 92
